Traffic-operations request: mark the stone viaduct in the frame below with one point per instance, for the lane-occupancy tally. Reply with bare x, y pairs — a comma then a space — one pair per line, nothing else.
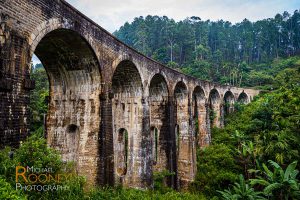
118, 114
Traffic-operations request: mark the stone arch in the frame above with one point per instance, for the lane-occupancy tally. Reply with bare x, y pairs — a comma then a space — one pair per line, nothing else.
199, 117
198, 100
243, 98
162, 76
127, 113
126, 80
158, 99
184, 143
158, 90
180, 91
51, 25
181, 107
228, 102
75, 84
214, 108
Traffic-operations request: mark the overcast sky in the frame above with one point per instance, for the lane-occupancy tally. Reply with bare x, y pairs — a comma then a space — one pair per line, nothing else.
111, 14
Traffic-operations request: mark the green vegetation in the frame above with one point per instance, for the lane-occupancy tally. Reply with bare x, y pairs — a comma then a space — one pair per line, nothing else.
238, 54
38, 98
257, 150
253, 157
35, 152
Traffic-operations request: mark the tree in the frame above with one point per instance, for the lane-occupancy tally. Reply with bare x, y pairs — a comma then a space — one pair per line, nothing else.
279, 184
241, 190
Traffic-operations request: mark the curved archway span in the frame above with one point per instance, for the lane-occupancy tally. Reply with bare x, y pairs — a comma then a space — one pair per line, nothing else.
182, 132
199, 98
158, 89
75, 84
126, 80
214, 108
243, 98
127, 113
180, 91
200, 117
158, 96
214, 96
228, 102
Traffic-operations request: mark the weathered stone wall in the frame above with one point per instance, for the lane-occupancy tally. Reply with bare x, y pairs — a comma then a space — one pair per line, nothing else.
105, 97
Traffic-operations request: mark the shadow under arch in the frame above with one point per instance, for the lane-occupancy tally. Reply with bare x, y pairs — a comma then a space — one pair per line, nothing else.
214, 101
127, 81
200, 117
228, 102
183, 139
75, 83
159, 120
243, 98
128, 113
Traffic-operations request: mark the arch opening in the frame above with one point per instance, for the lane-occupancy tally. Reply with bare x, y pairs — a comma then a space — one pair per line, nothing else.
158, 96
199, 117
158, 89
214, 108
183, 138
73, 110
181, 107
127, 111
180, 92
228, 102
126, 81
243, 98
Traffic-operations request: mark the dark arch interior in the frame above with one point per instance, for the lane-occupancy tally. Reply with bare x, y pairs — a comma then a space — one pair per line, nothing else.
72, 128
158, 88
75, 83
198, 98
180, 91
71, 67
228, 96
243, 98
214, 96
199, 93
229, 101
126, 80
65, 49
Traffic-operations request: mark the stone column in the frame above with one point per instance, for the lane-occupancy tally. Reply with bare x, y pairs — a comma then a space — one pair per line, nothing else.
146, 147
15, 85
222, 114
192, 142
172, 160
106, 151
207, 137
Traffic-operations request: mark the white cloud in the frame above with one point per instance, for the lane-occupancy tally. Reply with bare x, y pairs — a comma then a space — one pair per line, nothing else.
111, 14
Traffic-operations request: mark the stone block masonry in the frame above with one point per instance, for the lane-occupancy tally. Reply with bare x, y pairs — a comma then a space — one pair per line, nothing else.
118, 114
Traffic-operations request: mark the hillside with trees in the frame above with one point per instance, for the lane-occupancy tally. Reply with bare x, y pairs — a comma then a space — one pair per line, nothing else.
254, 157
237, 54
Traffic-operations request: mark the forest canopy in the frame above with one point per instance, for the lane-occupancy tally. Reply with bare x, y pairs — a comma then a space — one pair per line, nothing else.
237, 54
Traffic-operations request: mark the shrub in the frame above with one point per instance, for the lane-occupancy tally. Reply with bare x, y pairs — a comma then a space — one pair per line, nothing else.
216, 169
